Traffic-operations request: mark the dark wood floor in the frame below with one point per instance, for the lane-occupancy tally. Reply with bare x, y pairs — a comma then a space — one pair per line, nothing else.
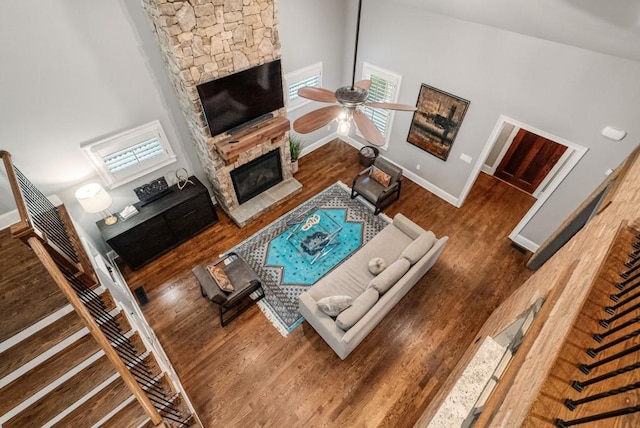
246, 374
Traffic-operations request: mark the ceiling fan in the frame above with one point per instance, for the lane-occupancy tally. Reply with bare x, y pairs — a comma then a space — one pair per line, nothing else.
350, 101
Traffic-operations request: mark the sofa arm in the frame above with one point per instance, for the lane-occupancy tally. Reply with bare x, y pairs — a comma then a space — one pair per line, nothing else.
322, 323
408, 227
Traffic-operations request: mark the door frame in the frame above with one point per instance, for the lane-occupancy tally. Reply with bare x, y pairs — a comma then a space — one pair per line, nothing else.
574, 153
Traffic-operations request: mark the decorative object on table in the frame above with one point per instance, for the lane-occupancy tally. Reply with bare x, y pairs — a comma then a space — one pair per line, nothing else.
295, 147
128, 212
182, 177
379, 184
284, 272
351, 100
368, 155
435, 124
94, 199
151, 191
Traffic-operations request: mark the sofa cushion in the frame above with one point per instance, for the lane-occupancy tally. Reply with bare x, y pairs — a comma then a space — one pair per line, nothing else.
352, 276
333, 305
383, 282
377, 265
360, 306
220, 277
418, 248
380, 176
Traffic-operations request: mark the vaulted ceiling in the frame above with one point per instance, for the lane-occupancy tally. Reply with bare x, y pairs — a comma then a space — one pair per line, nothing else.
610, 27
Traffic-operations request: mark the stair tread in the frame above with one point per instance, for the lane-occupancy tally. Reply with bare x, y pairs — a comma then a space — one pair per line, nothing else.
98, 406
36, 344
130, 416
28, 292
64, 395
46, 373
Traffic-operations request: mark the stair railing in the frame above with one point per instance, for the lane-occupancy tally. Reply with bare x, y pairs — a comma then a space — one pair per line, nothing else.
49, 231
629, 282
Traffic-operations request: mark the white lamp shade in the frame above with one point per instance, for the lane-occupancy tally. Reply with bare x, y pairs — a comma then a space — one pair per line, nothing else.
93, 198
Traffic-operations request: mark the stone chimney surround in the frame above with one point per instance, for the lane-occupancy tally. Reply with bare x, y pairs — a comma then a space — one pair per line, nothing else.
202, 40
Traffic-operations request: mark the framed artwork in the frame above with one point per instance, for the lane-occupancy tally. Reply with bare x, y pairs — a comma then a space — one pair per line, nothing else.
437, 120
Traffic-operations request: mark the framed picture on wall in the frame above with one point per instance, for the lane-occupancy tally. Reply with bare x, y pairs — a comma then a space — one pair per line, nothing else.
436, 122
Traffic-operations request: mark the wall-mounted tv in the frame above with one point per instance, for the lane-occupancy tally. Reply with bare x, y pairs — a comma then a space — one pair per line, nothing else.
237, 99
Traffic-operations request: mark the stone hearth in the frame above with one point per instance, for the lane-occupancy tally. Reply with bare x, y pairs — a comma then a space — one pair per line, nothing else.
202, 40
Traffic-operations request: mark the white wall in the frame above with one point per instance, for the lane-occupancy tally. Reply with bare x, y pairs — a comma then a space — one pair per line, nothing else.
74, 72
569, 92
312, 31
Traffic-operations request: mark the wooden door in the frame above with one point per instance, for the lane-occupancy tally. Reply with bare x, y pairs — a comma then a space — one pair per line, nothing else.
528, 160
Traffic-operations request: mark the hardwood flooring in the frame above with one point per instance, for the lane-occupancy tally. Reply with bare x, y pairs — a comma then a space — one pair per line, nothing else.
247, 374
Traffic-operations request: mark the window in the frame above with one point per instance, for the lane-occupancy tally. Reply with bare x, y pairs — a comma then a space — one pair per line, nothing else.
385, 86
308, 76
131, 154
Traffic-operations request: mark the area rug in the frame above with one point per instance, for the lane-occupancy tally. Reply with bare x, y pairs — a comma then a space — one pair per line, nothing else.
284, 272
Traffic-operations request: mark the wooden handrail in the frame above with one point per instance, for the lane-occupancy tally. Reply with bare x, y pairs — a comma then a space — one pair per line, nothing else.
144, 401
506, 381
15, 188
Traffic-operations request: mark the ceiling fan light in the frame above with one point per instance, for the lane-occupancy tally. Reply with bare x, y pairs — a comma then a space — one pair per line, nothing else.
344, 126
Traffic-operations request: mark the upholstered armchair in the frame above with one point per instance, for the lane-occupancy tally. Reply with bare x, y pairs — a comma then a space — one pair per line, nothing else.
379, 184
244, 282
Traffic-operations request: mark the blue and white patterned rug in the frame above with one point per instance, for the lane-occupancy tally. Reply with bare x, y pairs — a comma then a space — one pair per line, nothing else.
284, 273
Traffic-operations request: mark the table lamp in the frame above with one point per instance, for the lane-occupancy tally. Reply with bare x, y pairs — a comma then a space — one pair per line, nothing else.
94, 199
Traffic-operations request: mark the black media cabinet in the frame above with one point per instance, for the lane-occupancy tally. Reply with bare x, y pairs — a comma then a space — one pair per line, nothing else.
161, 225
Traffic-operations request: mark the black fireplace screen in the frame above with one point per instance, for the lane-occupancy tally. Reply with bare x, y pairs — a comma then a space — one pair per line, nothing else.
255, 177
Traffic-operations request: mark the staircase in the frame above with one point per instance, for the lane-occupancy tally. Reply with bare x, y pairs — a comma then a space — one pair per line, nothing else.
69, 355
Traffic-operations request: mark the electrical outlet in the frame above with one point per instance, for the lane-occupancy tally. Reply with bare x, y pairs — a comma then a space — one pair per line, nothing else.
466, 158
608, 172
418, 166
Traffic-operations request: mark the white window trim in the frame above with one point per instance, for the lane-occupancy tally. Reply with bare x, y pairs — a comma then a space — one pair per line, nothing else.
97, 150
367, 71
295, 77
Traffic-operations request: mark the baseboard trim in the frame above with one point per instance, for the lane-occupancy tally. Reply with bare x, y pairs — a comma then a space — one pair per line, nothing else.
525, 243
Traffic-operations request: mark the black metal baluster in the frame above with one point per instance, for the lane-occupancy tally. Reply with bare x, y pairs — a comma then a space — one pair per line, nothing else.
610, 309
600, 416
623, 284
586, 368
592, 352
625, 274
572, 404
633, 261
605, 322
598, 337
579, 386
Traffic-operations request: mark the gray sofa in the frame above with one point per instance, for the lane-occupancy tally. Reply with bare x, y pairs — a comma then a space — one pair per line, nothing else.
399, 246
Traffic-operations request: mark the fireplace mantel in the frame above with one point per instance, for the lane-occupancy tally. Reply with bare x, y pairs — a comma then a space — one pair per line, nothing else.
269, 130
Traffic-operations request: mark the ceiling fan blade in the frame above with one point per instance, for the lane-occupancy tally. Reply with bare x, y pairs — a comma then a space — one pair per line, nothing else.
392, 106
364, 84
316, 119
317, 94
368, 128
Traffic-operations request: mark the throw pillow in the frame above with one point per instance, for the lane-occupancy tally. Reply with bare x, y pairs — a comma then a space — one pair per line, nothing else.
380, 176
376, 265
221, 278
383, 282
333, 305
360, 306
419, 247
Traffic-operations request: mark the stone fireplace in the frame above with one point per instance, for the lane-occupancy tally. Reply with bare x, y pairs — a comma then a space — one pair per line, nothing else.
257, 176
202, 40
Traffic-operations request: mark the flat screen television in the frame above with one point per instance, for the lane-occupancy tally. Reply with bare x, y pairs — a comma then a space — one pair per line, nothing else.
232, 101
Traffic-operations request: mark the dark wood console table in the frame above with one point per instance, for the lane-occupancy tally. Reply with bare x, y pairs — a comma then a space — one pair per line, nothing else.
161, 225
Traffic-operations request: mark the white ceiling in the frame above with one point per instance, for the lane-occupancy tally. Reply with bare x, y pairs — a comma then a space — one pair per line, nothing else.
607, 26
